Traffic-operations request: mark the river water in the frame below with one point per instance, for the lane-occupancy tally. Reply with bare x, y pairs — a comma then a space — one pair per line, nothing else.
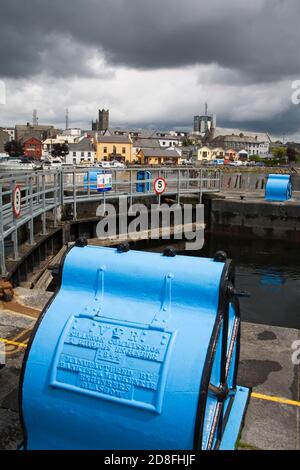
268, 270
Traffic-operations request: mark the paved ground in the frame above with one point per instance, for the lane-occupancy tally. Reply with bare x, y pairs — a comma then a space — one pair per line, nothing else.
254, 196
265, 366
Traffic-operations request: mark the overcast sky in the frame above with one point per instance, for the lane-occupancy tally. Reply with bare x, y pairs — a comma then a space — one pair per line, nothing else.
151, 62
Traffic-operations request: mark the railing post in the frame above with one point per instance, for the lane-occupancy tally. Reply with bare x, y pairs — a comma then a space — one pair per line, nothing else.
62, 188
14, 235
74, 196
30, 223
178, 185
2, 246
44, 229
200, 192
131, 187
55, 199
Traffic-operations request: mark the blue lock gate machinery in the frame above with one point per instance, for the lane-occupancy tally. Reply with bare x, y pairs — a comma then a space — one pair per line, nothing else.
278, 188
136, 350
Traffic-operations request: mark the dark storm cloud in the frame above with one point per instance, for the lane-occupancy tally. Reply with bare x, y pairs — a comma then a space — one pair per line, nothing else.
282, 124
286, 122
258, 38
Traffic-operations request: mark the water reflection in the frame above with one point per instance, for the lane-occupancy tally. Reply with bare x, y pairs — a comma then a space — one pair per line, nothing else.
268, 270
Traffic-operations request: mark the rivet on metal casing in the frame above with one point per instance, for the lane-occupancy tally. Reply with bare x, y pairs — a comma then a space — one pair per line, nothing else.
81, 242
123, 248
220, 256
170, 252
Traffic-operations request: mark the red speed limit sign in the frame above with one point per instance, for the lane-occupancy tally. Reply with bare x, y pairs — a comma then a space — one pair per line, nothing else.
16, 201
160, 185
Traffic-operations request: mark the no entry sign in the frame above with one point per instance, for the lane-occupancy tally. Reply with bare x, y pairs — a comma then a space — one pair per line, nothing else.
16, 201
160, 185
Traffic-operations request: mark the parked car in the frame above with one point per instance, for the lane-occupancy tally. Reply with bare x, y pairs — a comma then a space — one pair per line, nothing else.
106, 164
259, 164
117, 164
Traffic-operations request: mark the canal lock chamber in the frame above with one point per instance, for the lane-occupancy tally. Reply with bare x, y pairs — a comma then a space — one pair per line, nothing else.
136, 350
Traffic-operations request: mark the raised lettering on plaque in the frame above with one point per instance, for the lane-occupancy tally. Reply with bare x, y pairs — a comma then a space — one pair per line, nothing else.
115, 361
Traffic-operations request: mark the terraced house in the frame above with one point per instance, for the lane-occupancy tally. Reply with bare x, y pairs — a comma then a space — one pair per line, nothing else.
116, 147
81, 152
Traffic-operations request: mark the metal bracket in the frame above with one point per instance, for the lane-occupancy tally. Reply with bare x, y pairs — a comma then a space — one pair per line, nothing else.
94, 308
161, 318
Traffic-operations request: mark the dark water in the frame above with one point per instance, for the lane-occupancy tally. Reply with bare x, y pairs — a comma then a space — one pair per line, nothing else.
268, 270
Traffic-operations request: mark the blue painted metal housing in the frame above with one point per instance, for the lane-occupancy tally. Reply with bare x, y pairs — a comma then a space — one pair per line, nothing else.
136, 351
144, 181
98, 180
278, 188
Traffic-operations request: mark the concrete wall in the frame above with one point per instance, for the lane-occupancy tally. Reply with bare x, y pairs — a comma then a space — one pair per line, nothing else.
259, 219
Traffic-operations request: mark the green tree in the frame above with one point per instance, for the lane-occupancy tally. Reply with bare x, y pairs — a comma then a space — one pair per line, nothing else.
14, 148
60, 150
279, 152
291, 154
186, 142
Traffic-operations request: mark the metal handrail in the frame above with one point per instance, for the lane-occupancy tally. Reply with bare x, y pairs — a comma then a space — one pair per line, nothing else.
44, 191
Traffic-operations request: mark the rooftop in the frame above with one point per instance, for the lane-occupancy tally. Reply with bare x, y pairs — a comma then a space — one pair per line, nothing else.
83, 145
224, 132
114, 139
160, 153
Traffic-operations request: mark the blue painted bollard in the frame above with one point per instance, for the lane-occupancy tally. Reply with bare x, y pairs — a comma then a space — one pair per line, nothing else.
278, 188
136, 351
100, 180
143, 184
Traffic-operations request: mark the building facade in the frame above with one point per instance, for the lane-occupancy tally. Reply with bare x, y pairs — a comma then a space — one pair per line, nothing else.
109, 148
38, 131
254, 143
4, 137
11, 132
81, 153
204, 123
204, 154
159, 156
32, 147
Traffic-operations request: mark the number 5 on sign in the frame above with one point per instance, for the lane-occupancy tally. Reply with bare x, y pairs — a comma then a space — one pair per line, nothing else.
16, 201
160, 185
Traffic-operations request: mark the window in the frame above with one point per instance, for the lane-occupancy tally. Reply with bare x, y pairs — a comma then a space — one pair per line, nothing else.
89, 154
105, 150
123, 150
74, 160
74, 154
82, 154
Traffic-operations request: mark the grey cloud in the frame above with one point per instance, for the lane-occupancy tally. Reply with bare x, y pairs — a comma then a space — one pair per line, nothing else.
286, 122
257, 38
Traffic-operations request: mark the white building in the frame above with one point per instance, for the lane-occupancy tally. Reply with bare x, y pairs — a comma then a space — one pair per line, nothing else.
59, 139
11, 132
74, 132
81, 152
167, 140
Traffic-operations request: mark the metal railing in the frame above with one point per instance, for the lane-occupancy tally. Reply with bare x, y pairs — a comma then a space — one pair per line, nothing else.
48, 191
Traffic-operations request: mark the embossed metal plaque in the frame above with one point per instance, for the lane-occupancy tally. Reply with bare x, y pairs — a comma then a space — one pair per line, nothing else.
113, 360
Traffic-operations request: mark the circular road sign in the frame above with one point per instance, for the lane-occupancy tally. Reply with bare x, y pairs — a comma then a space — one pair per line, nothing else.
16, 201
160, 185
